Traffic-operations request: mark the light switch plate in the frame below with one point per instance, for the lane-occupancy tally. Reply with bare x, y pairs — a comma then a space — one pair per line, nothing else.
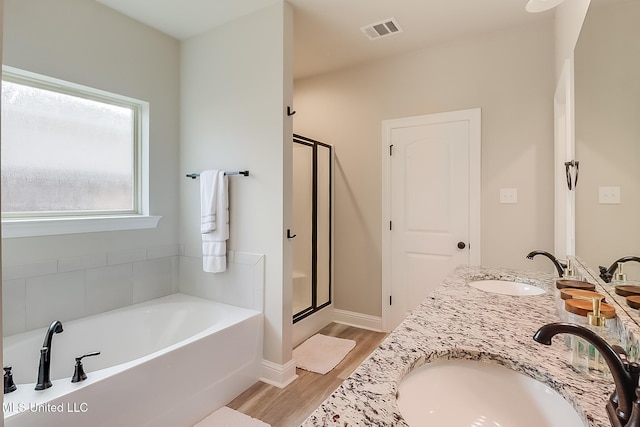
609, 195
508, 195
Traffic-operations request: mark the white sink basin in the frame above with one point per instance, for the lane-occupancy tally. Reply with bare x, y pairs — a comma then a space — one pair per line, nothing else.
506, 287
463, 393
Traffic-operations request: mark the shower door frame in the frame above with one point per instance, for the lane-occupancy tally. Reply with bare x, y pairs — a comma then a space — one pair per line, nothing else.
314, 307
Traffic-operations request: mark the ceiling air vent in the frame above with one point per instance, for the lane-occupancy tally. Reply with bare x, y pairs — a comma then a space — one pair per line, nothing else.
385, 28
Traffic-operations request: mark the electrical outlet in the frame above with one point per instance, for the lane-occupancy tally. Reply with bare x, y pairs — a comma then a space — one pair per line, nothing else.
609, 195
509, 195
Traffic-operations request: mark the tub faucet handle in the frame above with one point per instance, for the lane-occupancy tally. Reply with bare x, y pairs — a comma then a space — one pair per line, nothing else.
78, 374
9, 385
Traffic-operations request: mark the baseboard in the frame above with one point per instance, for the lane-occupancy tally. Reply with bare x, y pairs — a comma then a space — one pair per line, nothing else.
359, 320
278, 375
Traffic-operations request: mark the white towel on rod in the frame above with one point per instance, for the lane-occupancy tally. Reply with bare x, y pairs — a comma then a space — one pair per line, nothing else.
208, 200
214, 242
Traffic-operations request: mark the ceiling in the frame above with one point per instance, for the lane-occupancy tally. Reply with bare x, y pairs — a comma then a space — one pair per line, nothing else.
327, 33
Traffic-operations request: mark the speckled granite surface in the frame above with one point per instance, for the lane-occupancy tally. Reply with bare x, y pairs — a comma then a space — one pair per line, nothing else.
628, 318
458, 321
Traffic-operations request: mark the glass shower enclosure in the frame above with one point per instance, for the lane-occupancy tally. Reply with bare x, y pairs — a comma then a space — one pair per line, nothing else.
312, 225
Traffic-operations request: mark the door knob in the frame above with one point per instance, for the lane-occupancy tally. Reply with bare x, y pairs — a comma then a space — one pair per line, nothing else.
461, 245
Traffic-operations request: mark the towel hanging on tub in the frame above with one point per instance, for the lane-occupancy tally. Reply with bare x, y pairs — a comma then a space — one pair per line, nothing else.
214, 220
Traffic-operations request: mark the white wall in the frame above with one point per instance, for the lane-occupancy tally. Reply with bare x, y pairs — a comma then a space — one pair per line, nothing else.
509, 74
235, 86
75, 275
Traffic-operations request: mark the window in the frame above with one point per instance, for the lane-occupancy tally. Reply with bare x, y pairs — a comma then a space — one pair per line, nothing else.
68, 151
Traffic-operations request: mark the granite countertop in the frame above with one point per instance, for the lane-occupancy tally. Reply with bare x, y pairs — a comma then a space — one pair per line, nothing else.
628, 319
460, 322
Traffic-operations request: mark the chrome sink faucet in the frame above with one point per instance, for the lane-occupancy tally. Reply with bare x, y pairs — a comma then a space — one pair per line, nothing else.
623, 407
44, 369
606, 274
559, 266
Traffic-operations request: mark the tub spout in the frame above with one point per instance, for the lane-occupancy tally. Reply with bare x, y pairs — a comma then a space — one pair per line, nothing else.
621, 403
559, 266
44, 368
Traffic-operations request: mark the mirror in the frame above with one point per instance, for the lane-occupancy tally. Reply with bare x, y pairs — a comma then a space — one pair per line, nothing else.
607, 107
607, 134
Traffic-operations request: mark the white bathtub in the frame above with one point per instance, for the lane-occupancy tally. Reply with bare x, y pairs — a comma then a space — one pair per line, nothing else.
167, 362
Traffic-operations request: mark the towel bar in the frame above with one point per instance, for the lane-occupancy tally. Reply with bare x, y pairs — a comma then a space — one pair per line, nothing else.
195, 175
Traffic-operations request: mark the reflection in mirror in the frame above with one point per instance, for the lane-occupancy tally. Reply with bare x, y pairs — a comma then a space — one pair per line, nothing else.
607, 108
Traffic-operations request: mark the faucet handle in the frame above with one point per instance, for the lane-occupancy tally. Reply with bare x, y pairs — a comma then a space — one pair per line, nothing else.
634, 370
79, 374
634, 419
79, 358
621, 352
631, 367
9, 385
605, 275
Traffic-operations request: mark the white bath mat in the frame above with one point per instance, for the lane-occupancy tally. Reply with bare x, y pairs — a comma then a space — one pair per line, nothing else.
227, 417
321, 353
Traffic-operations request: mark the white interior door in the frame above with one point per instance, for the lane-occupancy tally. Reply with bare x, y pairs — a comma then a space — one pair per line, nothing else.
433, 178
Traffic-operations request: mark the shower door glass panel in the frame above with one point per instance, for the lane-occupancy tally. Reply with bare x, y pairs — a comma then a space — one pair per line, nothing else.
323, 225
312, 221
302, 227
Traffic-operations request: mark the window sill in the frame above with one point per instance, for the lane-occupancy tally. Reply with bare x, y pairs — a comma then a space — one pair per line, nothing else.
12, 228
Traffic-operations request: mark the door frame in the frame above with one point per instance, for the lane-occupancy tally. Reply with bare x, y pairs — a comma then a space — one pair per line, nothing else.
473, 116
564, 150
314, 307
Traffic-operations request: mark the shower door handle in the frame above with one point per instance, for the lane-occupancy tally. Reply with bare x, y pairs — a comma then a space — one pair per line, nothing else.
289, 235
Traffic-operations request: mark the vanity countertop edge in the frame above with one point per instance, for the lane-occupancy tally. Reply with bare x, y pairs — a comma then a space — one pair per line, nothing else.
457, 321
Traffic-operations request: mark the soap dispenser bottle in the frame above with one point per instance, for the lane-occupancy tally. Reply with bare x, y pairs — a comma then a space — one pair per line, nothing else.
584, 356
619, 277
569, 271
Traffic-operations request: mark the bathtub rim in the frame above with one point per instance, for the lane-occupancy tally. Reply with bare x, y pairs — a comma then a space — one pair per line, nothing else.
63, 386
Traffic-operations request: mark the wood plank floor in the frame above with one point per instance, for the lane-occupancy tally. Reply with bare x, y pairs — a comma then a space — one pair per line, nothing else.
290, 406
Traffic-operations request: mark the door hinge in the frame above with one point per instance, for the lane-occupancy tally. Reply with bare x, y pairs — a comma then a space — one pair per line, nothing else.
389, 299
391, 150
